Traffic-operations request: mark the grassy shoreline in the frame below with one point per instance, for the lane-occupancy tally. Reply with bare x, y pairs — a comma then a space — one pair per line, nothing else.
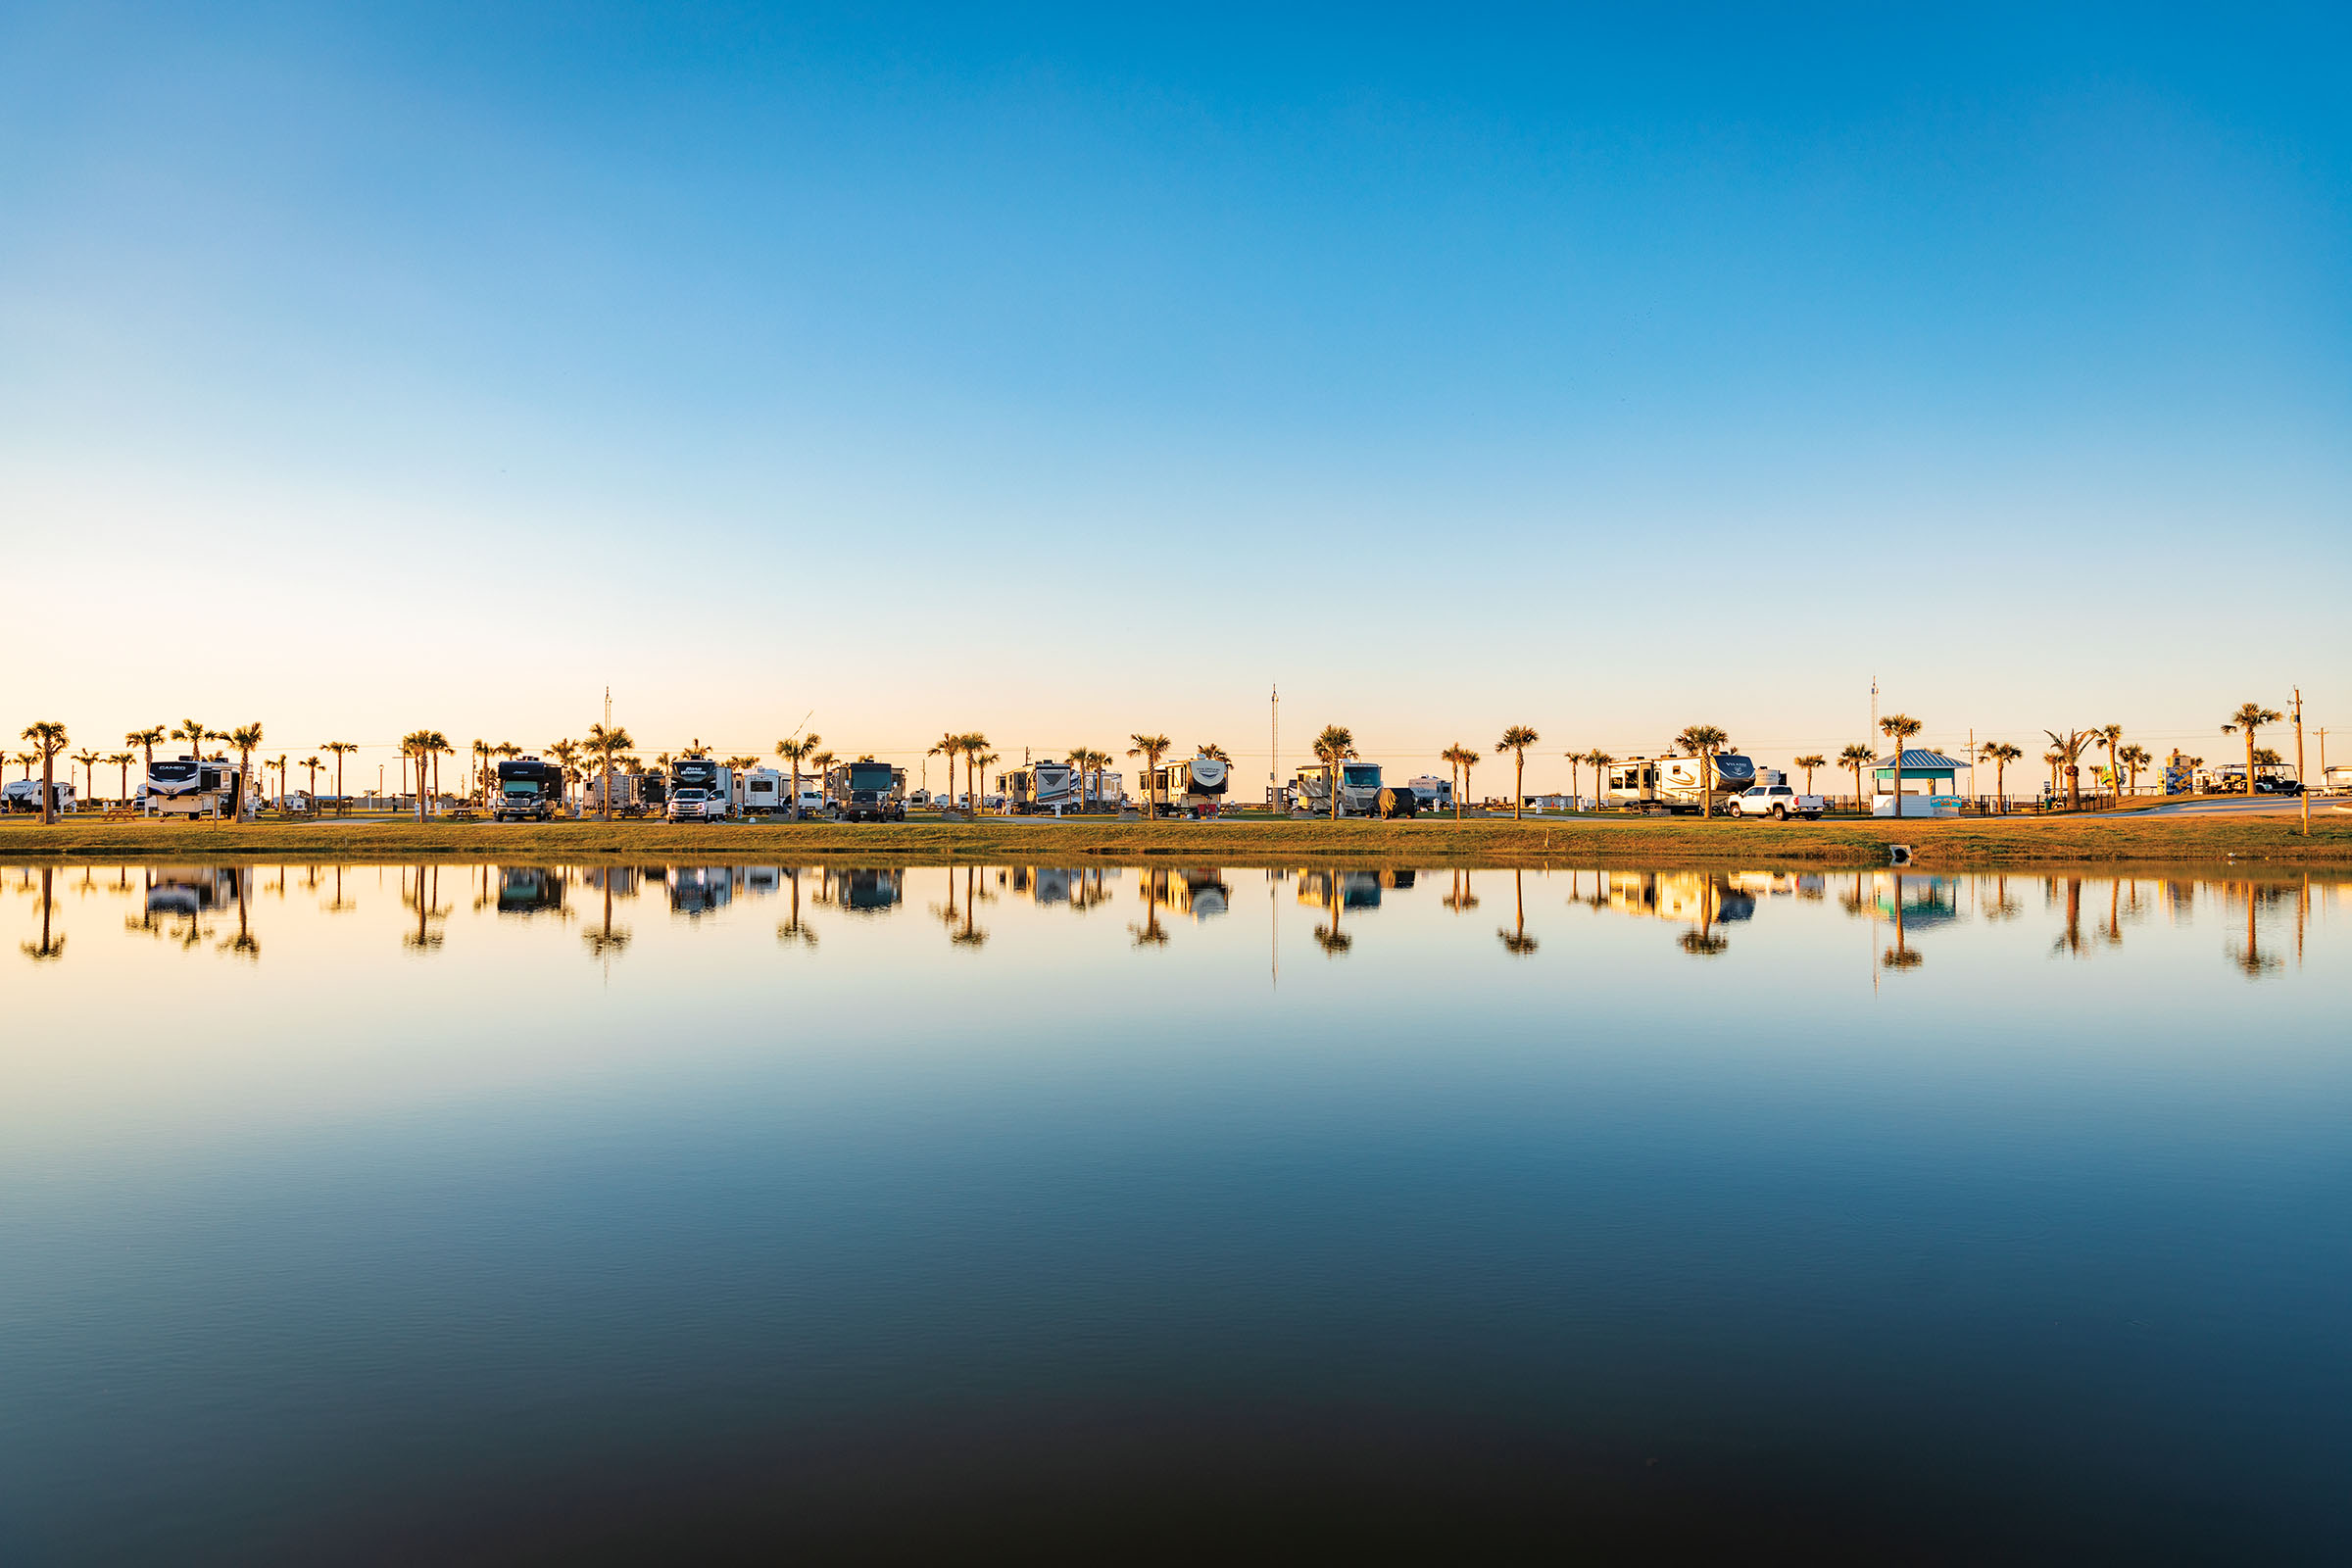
1973, 843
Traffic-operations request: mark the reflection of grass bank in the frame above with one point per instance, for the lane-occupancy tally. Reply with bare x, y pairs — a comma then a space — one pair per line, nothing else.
2000, 842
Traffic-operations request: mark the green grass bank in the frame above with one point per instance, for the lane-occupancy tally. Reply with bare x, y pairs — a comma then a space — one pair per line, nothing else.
1582, 840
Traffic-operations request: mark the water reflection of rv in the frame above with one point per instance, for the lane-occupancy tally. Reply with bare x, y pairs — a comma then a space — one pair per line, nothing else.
190, 890
1702, 895
530, 889
1351, 890
700, 889
868, 891
1201, 891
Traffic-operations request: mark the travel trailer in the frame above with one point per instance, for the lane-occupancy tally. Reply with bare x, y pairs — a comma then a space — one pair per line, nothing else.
1105, 789
528, 790
633, 794
865, 791
1042, 788
189, 786
1434, 792
1673, 783
699, 791
1196, 786
24, 795
761, 789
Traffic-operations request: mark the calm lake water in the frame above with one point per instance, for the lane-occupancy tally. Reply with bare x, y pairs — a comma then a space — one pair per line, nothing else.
468, 1213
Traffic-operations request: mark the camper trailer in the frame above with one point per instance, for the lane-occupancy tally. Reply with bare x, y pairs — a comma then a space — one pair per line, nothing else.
1042, 789
761, 790
1104, 790
191, 787
24, 795
1196, 786
1674, 783
1434, 792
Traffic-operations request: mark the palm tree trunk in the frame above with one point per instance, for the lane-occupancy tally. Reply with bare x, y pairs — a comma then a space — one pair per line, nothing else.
2249, 762
1518, 784
1706, 782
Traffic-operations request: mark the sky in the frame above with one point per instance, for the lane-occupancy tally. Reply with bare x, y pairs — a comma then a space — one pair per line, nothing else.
1064, 372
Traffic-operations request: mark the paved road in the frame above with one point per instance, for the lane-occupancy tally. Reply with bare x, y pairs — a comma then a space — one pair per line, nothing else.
2258, 806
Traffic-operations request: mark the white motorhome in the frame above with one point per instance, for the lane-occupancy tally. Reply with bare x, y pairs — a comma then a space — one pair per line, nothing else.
1674, 783
189, 786
1360, 791
1434, 794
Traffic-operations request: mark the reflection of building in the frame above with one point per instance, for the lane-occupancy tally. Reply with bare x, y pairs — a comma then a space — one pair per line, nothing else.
530, 889
1199, 892
190, 889
1928, 901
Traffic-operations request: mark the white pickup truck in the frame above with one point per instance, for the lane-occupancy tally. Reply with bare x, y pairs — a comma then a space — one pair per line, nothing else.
1777, 801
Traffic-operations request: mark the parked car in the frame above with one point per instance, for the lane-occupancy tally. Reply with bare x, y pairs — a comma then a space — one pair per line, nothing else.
2273, 784
1776, 800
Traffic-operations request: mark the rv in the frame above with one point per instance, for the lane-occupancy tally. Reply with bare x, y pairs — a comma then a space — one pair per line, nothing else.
189, 786
1041, 788
1360, 791
700, 889
528, 790
633, 794
1196, 786
762, 789
699, 791
1673, 783
530, 889
24, 795
865, 791
1105, 789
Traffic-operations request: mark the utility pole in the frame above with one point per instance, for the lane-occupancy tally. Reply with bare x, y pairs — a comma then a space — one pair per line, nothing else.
1274, 759
2303, 794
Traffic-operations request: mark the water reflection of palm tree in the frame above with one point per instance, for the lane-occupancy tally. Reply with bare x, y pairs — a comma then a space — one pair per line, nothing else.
1703, 943
426, 937
50, 947
1460, 900
605, 942
1516, 941
1900, 956
791, 930
244, 945
2252, 963
970, 936
2003, 907
1156, 891
2071, 938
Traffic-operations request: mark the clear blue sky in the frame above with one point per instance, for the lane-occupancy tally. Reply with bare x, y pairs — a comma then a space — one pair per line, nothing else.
1062, 373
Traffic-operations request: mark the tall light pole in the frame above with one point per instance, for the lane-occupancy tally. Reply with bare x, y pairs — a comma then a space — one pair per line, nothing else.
2303, 791
1274, 759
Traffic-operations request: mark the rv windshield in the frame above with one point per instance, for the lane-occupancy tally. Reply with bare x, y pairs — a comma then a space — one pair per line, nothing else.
520, 786
869, 775
1361, 775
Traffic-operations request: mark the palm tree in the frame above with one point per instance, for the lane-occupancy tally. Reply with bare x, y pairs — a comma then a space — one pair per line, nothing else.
2135, 757
950, 744
24, 761
2051, 759
984, 761
49, 737
89, 774
1088, 761
147, 740
1809, 761
566, 754
603, 743
1212, 750
2000, 754
2250, 718
2069, 747
122, 761
192, 731
1600, 761
2112, 736
245, 738
414, 747
1703, 741
313, 764
1461, 759
792, 750
1855, 757
1334, 746
1516, 740
483, 751
339, 750
1898, 728
1151, 747
440, 749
